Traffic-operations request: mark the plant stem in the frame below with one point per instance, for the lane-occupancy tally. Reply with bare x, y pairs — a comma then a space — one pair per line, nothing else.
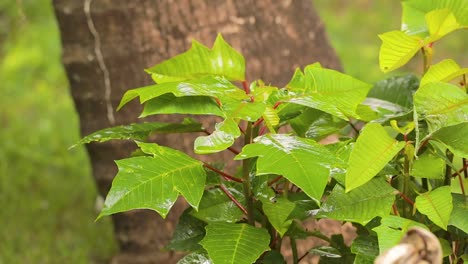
232, 198
294, 250
427, 55
448, 171
222, 173
406, 188
246, 177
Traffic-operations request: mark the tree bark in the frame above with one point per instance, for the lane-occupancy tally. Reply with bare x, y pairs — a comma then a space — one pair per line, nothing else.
107, 44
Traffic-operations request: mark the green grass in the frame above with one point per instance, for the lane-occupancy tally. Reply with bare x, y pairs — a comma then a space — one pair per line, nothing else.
47, 193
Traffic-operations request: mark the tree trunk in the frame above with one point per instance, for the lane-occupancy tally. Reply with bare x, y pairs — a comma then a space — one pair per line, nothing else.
107, 44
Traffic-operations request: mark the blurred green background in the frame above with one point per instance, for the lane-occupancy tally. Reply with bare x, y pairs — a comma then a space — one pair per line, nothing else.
43, 220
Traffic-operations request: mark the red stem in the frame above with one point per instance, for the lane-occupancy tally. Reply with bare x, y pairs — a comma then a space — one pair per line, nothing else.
395, 210
262, 130
225, 175
460, 179
229, 195
275, 180
408, 200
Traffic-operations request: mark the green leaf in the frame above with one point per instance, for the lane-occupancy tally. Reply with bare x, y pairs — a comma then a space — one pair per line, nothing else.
330, 91
155, 182
437, 205
459, 212
198, 257
365, 246
302, 161
141, 131
428, 166
392, 229
221, 60
188, 232
170, 104
210, 86
271, 118
414, 12
215, 206
440, 23
361, 205
397, 89
316, 124
374, 148
222, 138
454, 138
397, 49
442, 105
235, 243
273, 257
443, 71
278, 213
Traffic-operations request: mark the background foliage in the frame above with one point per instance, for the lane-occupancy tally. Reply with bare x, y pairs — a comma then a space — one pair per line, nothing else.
38, 123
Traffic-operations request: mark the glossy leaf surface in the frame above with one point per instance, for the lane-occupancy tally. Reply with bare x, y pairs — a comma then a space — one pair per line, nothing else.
235, 243
397, 89
360, 205
155, 182
222, 138
437, 205
215, 206
392, 229
140, 131
221, 60
442, 105
196, 258
374, 148
327, 90
188, 232
170, 104
302, 161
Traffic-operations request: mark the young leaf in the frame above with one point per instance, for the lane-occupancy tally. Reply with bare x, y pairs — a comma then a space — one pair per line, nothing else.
235, 243
278, 213
222, 138
437, 205
414, 12
454, 138
442, 105
155, 182
221, 60
459, 212
392, 229
443, 71
374, 148
428, 166
140, 131
302, 161
188, 232
215, 206
440, 23
397, 49
330, 91
361, 205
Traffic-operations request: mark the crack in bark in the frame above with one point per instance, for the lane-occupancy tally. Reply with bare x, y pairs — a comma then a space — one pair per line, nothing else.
100, 60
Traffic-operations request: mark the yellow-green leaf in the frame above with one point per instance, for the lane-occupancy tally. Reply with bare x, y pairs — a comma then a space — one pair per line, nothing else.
397, 49
443, 71
437, 205
374, 148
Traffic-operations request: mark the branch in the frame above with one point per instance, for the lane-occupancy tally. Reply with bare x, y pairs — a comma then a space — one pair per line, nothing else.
223, 174
232, 198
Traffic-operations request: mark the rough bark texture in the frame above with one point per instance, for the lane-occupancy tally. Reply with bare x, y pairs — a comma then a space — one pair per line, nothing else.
107, 44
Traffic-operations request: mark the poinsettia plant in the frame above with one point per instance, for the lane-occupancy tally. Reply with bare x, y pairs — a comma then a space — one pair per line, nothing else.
398, 159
